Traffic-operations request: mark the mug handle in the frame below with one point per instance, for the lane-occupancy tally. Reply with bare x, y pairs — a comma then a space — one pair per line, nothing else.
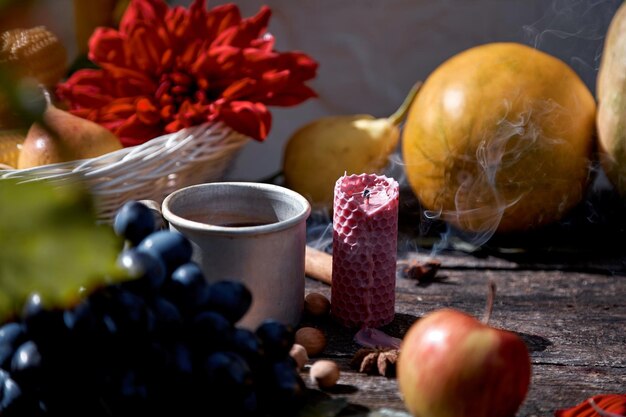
155, 208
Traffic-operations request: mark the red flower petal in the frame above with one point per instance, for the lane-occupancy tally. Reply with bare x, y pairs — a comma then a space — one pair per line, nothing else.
170, 68
143, 10
147, 112
250, 119
132, 132
107, 45
124, 82
239, 88
247, 31
147, 48
183, 25
612, 404
291, 96
221, 18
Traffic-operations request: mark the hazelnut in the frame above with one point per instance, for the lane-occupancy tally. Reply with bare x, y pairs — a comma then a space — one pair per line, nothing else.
324, 373
313, 340
298, 353
316, 305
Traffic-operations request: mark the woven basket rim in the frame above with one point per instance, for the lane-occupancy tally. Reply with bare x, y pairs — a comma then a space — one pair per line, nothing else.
150, 170
110, 160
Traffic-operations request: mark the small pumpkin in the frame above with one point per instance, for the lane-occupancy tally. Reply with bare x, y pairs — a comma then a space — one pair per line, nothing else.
500, 139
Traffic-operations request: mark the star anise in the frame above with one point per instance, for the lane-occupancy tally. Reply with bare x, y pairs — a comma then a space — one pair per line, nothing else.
376, 361
422, 271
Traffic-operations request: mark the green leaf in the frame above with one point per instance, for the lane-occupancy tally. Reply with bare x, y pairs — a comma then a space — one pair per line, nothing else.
50, 244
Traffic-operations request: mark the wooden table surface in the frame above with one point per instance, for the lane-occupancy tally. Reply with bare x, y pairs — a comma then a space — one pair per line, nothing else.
563, 290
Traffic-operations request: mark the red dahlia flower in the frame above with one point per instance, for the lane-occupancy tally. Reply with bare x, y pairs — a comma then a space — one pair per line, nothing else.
170, 68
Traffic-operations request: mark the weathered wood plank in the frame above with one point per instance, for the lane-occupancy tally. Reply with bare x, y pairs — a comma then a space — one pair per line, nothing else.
573, 322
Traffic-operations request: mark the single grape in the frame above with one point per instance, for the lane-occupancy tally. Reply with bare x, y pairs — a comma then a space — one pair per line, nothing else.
284, 389
11, 336
128, 315
10, 394
134, 221
155, 208
230, 298
34, 314
277, 338
187, 289
189, 275
81, 320
26, 365
147, 271
181, 360
12, 333
44, 326
171, 385
211, 331
168, 320
228, 374
248, 345
172, 247
14, 402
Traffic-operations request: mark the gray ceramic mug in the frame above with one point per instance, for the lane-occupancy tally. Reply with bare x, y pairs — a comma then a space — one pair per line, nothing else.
249, 232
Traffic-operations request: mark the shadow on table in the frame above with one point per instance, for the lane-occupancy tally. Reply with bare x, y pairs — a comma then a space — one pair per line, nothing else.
584, 240
533, 342
340, 340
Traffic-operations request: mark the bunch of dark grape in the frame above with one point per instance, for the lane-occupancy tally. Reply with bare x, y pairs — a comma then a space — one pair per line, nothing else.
161, 343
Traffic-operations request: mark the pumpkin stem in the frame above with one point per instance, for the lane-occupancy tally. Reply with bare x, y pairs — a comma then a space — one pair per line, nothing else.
398, 116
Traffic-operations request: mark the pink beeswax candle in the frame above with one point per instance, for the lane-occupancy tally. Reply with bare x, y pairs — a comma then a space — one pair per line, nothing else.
365, 230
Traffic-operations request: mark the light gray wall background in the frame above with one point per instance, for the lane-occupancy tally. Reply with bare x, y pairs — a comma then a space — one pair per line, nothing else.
372, 51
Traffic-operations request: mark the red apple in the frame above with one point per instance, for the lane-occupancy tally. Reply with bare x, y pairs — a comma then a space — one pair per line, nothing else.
452, 365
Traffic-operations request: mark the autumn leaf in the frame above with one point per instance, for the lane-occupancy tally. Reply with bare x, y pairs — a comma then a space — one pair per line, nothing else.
50, 244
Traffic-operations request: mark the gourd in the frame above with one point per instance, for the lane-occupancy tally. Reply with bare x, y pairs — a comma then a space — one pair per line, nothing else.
611, 94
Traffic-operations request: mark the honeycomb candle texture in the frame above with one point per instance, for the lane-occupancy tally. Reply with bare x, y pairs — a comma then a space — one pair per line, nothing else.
365, 230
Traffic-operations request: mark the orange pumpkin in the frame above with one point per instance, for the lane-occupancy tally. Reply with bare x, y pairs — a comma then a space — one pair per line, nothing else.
499, 138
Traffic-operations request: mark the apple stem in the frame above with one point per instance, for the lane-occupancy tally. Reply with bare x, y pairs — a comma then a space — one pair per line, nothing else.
600, 411
491, 296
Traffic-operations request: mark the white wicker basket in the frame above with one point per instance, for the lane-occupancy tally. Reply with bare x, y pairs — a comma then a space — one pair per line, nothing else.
151, 170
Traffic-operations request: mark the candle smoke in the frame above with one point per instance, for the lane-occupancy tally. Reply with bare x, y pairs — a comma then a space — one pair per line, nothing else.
572, 30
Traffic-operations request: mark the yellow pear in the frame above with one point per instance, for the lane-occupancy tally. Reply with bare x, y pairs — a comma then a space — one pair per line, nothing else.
318, 153
64, 137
